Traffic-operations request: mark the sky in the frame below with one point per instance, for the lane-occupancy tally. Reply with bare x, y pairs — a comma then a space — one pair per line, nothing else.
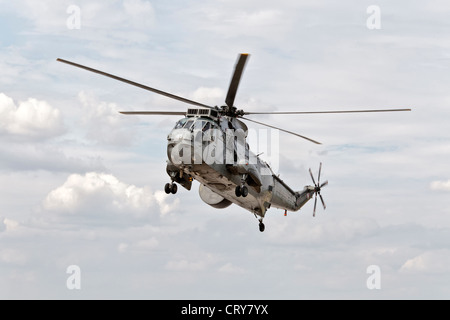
82, 185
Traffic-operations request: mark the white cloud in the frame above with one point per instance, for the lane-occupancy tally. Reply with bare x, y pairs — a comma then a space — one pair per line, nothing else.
102, 194
186, 265
125, 21
32, 118
143, 245
139, 12
10, 224
104, 123
2, 224
434, 261
12, 256
253, 21
440, 185
29, 156
232, 269
209, 96
326, 231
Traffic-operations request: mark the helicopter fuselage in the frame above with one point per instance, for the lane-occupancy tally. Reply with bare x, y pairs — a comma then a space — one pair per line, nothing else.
213, 151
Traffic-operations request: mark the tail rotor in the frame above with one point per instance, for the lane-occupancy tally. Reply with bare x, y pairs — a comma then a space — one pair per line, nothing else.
317, 187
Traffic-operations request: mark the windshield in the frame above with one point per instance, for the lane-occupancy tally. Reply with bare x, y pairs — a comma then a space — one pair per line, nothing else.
180, 123
197, 124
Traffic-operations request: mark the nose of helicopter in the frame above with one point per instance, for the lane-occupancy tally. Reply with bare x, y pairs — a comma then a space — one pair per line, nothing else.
181, 147
178, 135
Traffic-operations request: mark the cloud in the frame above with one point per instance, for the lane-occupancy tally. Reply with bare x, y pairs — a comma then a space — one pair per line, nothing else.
9, 224
231, 269
200, 263
12, 256
139, 246
440, 185
139, 12
104, 123
28, 156
33, 119
211, 96
253, 21
330, 231
434, 261
99, 194
2, 224
126, 21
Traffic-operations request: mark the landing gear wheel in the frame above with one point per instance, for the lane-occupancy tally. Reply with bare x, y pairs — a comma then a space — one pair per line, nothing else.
262, 227
241, 191
237, 191
170, 188
244, 191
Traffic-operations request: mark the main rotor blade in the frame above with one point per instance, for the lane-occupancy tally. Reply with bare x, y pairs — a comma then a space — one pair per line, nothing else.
165, 113
332, 111
234, 84
169, 95
295, 134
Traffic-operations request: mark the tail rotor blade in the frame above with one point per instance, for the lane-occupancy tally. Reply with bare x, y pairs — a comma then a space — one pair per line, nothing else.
317, 188
323, 184
315, 204
312, 177
320, 169
323, 203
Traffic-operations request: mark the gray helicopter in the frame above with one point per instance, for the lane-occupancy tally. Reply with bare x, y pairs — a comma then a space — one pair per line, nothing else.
209, 144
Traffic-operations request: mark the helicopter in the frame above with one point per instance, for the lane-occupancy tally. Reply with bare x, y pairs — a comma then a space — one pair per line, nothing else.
209, 145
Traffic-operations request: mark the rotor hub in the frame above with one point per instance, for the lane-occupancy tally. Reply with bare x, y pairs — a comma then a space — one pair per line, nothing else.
231, 111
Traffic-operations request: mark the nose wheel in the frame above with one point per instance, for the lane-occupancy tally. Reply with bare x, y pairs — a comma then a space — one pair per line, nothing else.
170, 188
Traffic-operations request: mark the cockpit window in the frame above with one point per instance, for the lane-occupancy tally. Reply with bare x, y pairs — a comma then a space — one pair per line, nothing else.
195, 124
180, 123
198, 124
188, 124
207, 126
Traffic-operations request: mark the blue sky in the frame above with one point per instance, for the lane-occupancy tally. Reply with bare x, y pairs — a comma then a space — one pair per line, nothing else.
82, 185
